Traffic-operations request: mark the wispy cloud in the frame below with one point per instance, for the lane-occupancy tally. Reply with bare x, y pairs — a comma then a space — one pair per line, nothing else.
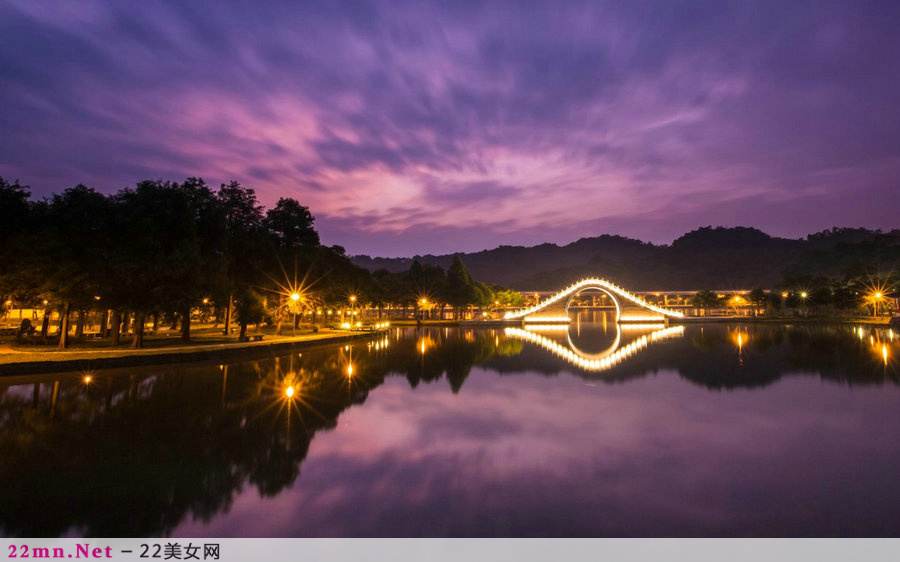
484, 120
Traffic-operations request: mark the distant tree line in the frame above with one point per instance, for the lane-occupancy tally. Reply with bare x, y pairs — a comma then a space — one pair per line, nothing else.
160, 249
860, 290
429, 290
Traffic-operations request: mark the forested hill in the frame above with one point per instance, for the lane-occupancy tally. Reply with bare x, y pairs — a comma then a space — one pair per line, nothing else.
720, 258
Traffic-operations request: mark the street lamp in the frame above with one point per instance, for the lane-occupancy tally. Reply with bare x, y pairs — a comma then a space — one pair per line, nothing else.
294, 297
423, 302
876, 298
352, 300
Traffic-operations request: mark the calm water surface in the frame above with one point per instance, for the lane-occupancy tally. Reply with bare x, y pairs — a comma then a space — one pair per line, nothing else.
591, 431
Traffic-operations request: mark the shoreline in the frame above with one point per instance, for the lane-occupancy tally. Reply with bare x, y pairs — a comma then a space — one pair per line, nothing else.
109, 359
106, 359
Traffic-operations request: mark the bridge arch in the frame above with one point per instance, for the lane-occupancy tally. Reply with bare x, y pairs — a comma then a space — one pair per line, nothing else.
629, 307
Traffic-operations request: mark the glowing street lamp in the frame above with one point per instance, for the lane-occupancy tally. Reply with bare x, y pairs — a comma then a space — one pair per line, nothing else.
877, 297
295, 296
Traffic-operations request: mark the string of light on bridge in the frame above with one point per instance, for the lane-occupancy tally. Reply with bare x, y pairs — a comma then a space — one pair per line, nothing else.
593, 283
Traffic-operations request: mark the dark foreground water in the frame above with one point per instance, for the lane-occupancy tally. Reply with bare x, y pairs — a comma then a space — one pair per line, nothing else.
591, 431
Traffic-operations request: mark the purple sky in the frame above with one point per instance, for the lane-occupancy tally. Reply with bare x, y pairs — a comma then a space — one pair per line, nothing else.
441, 126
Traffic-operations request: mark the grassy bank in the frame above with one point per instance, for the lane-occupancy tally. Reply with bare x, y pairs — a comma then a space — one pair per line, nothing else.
160, 348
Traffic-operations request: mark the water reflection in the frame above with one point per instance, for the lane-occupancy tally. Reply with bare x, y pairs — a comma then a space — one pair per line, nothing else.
595, 362
144, 452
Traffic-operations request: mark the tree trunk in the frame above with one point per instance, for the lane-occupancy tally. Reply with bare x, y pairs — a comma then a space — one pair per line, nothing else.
138, 340
186, 325
104, 321
243, 329
228, 314
64, 327
155, 323
115, 326
79, 324
126, 318
45, 325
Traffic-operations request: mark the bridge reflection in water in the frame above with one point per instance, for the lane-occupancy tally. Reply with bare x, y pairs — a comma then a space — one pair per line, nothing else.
629, 340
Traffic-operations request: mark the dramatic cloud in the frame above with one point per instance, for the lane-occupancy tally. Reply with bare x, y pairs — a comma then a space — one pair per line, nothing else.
455, 126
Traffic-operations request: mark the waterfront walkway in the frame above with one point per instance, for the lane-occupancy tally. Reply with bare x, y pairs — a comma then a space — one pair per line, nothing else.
16, 360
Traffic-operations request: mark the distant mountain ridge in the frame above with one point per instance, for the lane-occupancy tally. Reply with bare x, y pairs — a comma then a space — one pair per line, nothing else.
723, 258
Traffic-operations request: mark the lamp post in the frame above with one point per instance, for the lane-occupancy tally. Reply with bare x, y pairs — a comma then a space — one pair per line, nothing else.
296, 298
423, 302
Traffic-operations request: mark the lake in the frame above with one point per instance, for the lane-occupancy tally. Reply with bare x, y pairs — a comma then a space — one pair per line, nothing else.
590, 430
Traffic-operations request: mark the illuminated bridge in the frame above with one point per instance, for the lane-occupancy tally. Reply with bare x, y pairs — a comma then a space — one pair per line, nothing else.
629, 307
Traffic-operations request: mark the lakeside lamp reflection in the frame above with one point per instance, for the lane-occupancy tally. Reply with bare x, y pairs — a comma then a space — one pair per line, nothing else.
884, 354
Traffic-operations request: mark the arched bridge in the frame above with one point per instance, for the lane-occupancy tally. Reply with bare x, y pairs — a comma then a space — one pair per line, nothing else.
629, 307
